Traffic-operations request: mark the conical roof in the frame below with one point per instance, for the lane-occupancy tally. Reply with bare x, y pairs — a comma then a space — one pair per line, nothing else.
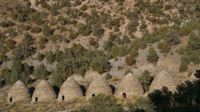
163, 79
129, 87
18, 92
70, 91
90, 75
43, 92
99, 85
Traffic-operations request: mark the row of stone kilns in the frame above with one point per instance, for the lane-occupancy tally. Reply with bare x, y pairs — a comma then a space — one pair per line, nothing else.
129, 88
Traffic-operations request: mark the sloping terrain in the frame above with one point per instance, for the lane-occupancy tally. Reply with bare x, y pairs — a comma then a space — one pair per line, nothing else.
55, 39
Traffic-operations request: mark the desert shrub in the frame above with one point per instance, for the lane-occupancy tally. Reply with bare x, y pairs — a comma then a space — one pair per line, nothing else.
36, 30
108, 45
194, 42
185, 61
24, 49
120, 2
142, 43
108, 76
56, 37
54, 10
119, 51
40, 72
5, 72
56, 78
73, 35
84, 30
62, 20
44, 4
163, 47
65, 3
125, 40
185, 30
59, 55
46, 30
146, 80
93, 42
77, 3
84, 7
152, 57
50, 57
18, 71
10, 43
78, 60
3, 58
40, 56
115, 51
25, 27
75, 60
172, 39
97, 30
142, 104
132, 15
7, 24
12, 32
103, 103
22, 13
130, 60
132, 26
100, 63
38, 18
134, 52
42, 41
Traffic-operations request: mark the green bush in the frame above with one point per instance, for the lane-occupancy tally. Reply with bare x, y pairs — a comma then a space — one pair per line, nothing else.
97, 30
84, 7
7, 24
93, 42
50, 56
18, 71
57, 78
73, 35
163, 47
42, 41
100, 64
40, 57
84, 30
103, 103
3, 58
108, 76
10, 44
47, 31
185, 61
142, 104
185, 30
145, 79
37, 17
23, 50
172, 39
40, 72
130, 60
152, 57
36, 30
194, 42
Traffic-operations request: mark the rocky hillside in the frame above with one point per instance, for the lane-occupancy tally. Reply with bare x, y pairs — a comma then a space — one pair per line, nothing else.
56, 39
